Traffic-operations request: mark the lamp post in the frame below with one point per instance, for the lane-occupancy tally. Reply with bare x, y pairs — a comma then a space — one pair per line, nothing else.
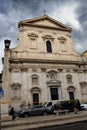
7, 44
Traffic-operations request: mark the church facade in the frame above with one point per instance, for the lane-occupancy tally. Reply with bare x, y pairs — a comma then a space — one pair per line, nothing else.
44, 66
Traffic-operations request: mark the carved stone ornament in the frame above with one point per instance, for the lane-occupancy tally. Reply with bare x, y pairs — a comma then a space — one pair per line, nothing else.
75, 70
62, 39
68, 70
54, 83
43, 69
32, 35
24, 69
35, 89
83, 84
85, 71
71, 88
80, 70
47, 36
16, 85
10, 69
60, 70
14, 70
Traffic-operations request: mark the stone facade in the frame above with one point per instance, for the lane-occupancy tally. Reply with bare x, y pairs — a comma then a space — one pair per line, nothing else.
44, 66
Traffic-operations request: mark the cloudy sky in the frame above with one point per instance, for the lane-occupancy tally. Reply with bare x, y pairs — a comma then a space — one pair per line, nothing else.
70, 12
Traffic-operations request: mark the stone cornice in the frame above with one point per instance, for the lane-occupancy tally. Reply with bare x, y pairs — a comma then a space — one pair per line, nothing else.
44, 26
54, 83
45, 17
11, 60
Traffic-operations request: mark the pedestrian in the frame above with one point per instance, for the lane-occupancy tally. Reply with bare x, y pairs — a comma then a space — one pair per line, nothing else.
12, 112
75, 108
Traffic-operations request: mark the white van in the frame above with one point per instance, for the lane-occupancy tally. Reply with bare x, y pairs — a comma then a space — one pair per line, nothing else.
50, 104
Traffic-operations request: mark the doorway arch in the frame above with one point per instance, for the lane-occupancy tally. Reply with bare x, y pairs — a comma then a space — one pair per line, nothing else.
35, 95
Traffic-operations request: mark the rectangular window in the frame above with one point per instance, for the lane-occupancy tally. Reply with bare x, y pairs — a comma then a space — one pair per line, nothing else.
69, 80
33, 43
34, 81
63, 46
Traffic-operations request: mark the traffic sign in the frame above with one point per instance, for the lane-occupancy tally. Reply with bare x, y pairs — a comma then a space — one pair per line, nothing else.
1, 93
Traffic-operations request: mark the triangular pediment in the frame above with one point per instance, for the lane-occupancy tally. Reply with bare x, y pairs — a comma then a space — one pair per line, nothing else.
45, 21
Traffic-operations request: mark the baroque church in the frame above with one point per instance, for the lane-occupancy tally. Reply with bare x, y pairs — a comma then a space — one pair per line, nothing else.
44, 65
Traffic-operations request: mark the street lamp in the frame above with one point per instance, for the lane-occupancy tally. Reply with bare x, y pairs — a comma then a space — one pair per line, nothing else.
7, 43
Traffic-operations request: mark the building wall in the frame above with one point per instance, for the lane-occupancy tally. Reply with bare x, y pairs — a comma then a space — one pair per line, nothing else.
24, 78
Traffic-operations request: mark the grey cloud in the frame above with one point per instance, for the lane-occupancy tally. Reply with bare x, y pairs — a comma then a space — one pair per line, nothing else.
36, 7
5, 7
82, 13
79, 38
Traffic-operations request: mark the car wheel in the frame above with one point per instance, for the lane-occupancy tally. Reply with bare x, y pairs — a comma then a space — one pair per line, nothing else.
44, 113
26, 115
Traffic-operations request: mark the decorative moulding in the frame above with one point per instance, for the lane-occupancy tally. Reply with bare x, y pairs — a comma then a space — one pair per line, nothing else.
16, 85
35, 89
62, 39
32, 35
48, 36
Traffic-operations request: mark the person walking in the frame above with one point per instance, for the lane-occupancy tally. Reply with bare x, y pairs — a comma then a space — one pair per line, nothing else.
13, 113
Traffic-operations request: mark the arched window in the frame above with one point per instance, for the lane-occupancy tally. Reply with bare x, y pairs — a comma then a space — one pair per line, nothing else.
34, 79
48, 45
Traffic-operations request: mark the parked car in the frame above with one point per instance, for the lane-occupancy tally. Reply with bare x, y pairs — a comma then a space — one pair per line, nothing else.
34, 111
84, 106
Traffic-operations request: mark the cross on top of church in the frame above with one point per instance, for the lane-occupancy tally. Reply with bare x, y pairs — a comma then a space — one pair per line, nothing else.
44, 12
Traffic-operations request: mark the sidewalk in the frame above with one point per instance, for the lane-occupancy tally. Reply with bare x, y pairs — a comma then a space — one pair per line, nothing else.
42, 121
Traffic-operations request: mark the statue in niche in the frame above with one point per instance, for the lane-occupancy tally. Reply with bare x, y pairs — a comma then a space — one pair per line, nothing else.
52, 76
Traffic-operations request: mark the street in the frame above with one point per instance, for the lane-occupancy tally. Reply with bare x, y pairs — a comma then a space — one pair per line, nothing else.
75, 126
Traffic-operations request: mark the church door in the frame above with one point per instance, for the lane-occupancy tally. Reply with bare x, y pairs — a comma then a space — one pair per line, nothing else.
35, 98
54, 93
71, 95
